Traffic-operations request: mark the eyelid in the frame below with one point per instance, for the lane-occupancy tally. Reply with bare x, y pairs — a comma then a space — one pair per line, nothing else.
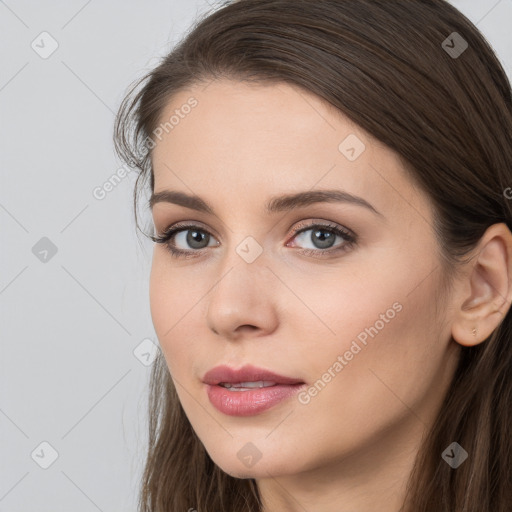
325, 224
181, 226
313, 222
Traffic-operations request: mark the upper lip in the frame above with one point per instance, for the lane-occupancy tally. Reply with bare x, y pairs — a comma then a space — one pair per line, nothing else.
247, 373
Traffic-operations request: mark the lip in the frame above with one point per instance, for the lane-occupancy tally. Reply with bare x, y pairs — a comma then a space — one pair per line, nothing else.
253, 401
247, 373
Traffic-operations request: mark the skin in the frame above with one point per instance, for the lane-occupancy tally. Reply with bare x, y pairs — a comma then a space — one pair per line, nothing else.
352, 446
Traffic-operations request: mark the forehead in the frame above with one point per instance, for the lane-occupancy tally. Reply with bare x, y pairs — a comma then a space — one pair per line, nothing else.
238, 137
275, 115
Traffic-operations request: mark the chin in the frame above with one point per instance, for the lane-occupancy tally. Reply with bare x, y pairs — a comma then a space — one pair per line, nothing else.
241, 475
262, 468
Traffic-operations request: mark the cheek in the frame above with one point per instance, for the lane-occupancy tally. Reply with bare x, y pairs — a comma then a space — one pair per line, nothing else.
159, 298
167, 299
177, 310
379, 316
387, 354
171, 291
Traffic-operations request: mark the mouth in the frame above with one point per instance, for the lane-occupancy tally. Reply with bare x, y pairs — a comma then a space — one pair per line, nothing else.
249, 390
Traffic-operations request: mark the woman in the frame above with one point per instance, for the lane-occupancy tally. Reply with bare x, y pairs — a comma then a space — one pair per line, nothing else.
331, 281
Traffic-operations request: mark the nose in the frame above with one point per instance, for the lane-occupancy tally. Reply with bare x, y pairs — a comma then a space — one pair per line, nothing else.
241, 303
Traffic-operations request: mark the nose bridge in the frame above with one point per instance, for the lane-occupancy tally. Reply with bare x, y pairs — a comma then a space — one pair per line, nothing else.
243, 293
244, 248
243, 272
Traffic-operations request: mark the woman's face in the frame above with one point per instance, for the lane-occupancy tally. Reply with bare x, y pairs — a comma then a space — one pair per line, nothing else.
351, 316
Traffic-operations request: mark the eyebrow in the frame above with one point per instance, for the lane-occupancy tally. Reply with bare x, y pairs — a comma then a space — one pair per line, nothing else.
276, 204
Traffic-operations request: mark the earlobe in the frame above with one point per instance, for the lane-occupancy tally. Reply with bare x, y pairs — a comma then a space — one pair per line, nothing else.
486, 291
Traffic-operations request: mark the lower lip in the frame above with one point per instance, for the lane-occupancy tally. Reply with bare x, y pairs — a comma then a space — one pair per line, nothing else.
251, 402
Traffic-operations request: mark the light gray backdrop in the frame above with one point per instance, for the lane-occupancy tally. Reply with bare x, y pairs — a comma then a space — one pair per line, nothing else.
76, 333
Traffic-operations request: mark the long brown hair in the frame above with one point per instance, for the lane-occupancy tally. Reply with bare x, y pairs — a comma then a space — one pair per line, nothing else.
391, 67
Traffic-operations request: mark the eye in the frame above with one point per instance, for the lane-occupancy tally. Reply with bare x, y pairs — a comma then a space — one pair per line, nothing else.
323, 238
194, 239
193, 236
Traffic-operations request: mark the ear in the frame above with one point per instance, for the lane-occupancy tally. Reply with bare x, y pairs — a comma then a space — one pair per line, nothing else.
486, 292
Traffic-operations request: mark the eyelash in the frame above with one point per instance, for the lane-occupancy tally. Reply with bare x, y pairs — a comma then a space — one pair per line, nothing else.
350, 239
